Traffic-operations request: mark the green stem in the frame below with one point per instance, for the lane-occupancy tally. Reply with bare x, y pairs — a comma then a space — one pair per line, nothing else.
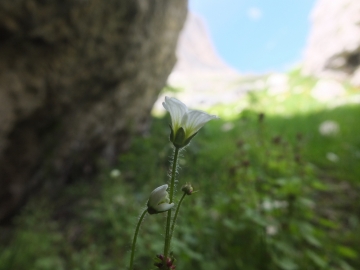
173, 174
171, 196
176, 214
134, 240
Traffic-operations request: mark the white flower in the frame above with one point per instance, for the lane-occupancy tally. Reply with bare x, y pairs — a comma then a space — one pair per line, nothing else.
115, 173
329, 128
332, 157
185, 122
271, 230
159, 200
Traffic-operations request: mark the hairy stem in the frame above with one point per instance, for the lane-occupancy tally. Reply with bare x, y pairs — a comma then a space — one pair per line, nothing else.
175, 217
171, 196
134, 240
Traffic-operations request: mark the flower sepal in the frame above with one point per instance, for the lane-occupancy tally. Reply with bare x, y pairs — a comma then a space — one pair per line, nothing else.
187, 141
153, 211
179, 139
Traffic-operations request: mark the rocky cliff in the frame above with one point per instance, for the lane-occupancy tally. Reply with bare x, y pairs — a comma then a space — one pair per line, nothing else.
333, 48
200, 73
77, 79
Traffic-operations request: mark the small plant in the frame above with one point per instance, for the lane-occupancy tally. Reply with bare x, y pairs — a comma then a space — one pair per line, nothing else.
276, 198
185, 124
270, 196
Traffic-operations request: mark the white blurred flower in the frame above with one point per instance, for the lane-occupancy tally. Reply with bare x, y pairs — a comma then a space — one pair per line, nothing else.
227, 127
270, 205
115, 173
159, 200
185, 123
329, 128
271, 230
332, 157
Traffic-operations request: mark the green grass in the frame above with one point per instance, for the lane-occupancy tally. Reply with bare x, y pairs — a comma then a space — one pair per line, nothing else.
269, 197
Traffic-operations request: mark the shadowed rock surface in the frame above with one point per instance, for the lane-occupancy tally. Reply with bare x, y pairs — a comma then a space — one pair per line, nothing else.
333, 48
77, 78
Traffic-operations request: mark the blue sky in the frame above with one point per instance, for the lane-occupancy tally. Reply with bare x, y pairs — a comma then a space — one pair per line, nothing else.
257, 35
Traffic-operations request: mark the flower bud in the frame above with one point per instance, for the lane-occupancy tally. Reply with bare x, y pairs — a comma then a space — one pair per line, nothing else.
160, 256
159, 201
187, 189
162, 263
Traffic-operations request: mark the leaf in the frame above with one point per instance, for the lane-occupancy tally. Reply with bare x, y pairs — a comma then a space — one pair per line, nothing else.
229, 224
284, 247
286, 264
345, 266
316, 259
308, 232
312, 240
328, 223
347, 252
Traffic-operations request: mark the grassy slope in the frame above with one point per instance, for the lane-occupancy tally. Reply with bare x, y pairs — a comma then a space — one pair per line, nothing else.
238, 164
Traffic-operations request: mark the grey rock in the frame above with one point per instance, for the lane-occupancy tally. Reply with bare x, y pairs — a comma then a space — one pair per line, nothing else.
195, 50
77, 79
333, 48
200, 73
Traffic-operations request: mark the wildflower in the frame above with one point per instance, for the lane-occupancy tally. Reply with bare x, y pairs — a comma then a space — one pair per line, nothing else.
227, 127
271, 230
329, 128
159, 200
115, 173
185, 123
332, 157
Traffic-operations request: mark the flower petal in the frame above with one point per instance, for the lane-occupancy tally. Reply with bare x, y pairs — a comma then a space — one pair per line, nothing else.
177, 110
194, 120
157, 195
164, 207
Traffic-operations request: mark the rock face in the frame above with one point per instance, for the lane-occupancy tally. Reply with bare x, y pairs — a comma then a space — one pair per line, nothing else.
195, 50
333, 48
77, 78
200, 72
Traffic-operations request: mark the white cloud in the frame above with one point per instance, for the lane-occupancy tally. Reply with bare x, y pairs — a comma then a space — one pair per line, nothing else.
254, 13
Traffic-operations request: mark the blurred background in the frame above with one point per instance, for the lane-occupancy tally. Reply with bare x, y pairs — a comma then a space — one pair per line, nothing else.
84, 136
257, 36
